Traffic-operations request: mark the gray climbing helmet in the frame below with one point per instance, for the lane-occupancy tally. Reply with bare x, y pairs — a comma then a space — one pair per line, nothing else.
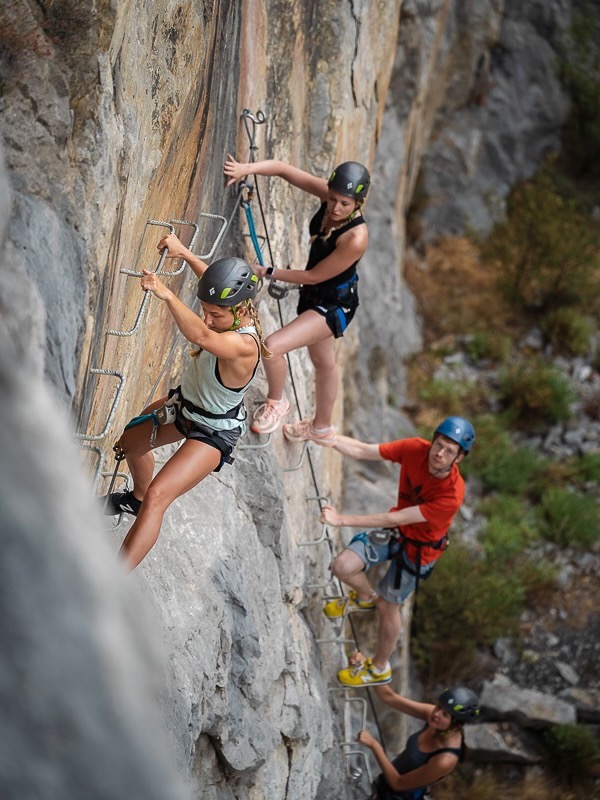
227, 282
350, 179
461, 703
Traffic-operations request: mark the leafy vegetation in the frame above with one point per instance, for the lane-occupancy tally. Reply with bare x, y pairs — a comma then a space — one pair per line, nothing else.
568, 330
536, 393
573, 751
469, 604
568, 518
545, 253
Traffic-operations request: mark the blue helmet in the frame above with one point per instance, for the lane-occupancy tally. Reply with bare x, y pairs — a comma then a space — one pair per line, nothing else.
459, 430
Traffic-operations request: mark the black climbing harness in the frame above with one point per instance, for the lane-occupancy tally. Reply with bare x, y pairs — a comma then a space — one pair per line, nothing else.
402, 566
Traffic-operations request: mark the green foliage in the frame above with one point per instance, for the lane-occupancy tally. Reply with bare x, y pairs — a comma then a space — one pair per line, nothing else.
568, 330
546, 250
509, 527
497, 463
581, 78
568, 518
446, 395
573, 750
468, 603
535, 393
492, 440
588, 467
513, 471
488, 345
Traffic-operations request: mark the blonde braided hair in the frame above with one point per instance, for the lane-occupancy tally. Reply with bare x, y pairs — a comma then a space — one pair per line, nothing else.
264, 350
253, 314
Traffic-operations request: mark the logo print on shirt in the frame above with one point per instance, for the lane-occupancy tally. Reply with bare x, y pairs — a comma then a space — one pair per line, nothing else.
413, 496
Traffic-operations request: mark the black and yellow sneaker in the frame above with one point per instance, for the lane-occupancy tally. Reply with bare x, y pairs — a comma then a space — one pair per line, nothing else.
120, 503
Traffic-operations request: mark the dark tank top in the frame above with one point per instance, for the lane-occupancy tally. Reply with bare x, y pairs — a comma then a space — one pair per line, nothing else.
409, 759
321, 247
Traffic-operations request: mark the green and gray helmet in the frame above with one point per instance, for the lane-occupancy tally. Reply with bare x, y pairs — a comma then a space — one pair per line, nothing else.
350, 179
227, 282
461, 703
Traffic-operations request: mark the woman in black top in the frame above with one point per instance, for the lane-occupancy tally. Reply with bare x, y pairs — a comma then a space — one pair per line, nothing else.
432, 752
328, 297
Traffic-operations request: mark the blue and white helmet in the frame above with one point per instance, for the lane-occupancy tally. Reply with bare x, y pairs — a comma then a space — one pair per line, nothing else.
459, 430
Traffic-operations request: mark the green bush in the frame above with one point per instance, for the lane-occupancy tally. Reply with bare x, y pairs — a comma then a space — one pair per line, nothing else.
512, 471
568, 330
535, 393
546, 250
445, 395
493, 440
467, 603
487, 345
509, 527
568, 518
588, 467
573, 750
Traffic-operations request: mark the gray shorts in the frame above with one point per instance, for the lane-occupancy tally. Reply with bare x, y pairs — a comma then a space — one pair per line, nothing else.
372, 554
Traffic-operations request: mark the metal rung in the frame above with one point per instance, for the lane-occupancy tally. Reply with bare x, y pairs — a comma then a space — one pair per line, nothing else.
190, 245
321, 586
208, 255
324, 532
363, 756
161, 261
335, 641
255, 446
299, 464
98, 436
99, 462
220, 235
361, 702
322, 538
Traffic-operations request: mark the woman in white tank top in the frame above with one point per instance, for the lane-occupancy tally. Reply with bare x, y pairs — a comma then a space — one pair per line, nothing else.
207, 409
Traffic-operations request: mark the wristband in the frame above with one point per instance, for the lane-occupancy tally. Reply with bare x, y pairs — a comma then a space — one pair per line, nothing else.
269, 272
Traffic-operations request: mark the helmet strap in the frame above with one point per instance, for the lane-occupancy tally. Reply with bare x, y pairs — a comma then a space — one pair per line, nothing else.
236, 320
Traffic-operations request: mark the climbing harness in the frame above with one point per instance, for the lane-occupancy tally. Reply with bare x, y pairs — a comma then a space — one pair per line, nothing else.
439, 544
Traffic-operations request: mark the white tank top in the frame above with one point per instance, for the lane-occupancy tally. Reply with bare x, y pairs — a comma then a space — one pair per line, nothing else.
202, 386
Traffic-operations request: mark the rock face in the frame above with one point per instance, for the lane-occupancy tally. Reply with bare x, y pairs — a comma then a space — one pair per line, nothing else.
504, 115
80, 675
114, 114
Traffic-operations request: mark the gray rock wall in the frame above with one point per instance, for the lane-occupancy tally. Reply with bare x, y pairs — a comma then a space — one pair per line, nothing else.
80, 673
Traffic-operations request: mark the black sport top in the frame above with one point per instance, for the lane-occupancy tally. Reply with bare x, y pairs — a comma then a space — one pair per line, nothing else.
409, 759
322, 246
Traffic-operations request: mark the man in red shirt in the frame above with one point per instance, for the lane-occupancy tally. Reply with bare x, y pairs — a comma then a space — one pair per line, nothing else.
412, 535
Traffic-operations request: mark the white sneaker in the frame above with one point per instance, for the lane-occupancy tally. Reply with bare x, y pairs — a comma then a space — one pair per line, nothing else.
268, 416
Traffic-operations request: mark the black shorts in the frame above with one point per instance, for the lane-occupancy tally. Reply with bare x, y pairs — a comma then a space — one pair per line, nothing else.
222, 440
337, 317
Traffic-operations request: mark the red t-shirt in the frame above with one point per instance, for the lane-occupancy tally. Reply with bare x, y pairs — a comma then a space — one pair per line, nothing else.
438, 499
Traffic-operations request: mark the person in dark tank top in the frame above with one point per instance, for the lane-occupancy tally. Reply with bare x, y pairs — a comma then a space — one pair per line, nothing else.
432, 752
328, 290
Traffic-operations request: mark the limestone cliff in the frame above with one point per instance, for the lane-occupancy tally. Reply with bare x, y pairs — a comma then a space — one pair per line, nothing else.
114, 114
